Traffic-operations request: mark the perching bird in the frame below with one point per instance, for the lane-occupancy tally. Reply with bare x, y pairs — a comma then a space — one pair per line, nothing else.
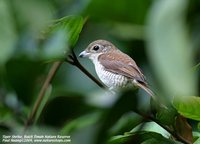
113, 67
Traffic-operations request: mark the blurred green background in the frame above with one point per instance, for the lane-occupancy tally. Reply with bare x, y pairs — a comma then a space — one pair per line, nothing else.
163, 37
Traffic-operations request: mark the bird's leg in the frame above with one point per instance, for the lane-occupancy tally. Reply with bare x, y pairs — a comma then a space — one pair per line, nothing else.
71, 58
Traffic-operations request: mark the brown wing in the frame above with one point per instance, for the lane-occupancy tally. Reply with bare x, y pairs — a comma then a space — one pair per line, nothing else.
120, 63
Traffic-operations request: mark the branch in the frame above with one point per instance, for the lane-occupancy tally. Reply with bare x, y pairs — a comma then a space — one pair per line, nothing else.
72, 59
41, 94
173, 133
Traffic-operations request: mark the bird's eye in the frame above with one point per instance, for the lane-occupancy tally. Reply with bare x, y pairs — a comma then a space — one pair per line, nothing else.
96, 47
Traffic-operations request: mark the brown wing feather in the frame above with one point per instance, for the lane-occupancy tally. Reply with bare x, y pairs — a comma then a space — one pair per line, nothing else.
120, 63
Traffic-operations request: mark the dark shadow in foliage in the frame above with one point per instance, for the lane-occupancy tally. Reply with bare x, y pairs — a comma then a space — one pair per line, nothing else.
127, 102
64, 108
23, 74
4, 128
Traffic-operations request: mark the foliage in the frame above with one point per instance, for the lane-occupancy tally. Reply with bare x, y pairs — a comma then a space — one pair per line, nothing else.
188, 107
38, 97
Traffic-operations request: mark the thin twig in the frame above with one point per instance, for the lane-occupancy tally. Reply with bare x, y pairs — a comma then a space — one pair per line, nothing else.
41, 94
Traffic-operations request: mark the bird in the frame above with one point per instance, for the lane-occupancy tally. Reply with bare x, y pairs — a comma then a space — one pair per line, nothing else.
114, 68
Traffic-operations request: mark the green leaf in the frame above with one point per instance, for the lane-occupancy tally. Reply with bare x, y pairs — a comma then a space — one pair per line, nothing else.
196, 67
170, 49
156, 141
127, 122
71, 25
166, 115
5, 113
188, 107
62, 35
197, 141
80, 123
196, 137
8, 35
139, 137
151, 126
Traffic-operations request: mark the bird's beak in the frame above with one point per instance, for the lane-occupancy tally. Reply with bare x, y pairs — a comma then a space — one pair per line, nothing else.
84, 54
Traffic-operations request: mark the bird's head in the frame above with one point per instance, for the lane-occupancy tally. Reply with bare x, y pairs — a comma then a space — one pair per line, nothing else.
97, 48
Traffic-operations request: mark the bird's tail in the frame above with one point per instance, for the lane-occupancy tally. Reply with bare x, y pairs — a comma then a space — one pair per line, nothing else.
151, 93
145, 87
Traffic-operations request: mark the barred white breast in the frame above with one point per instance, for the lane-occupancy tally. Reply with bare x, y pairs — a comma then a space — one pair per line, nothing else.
110, 79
